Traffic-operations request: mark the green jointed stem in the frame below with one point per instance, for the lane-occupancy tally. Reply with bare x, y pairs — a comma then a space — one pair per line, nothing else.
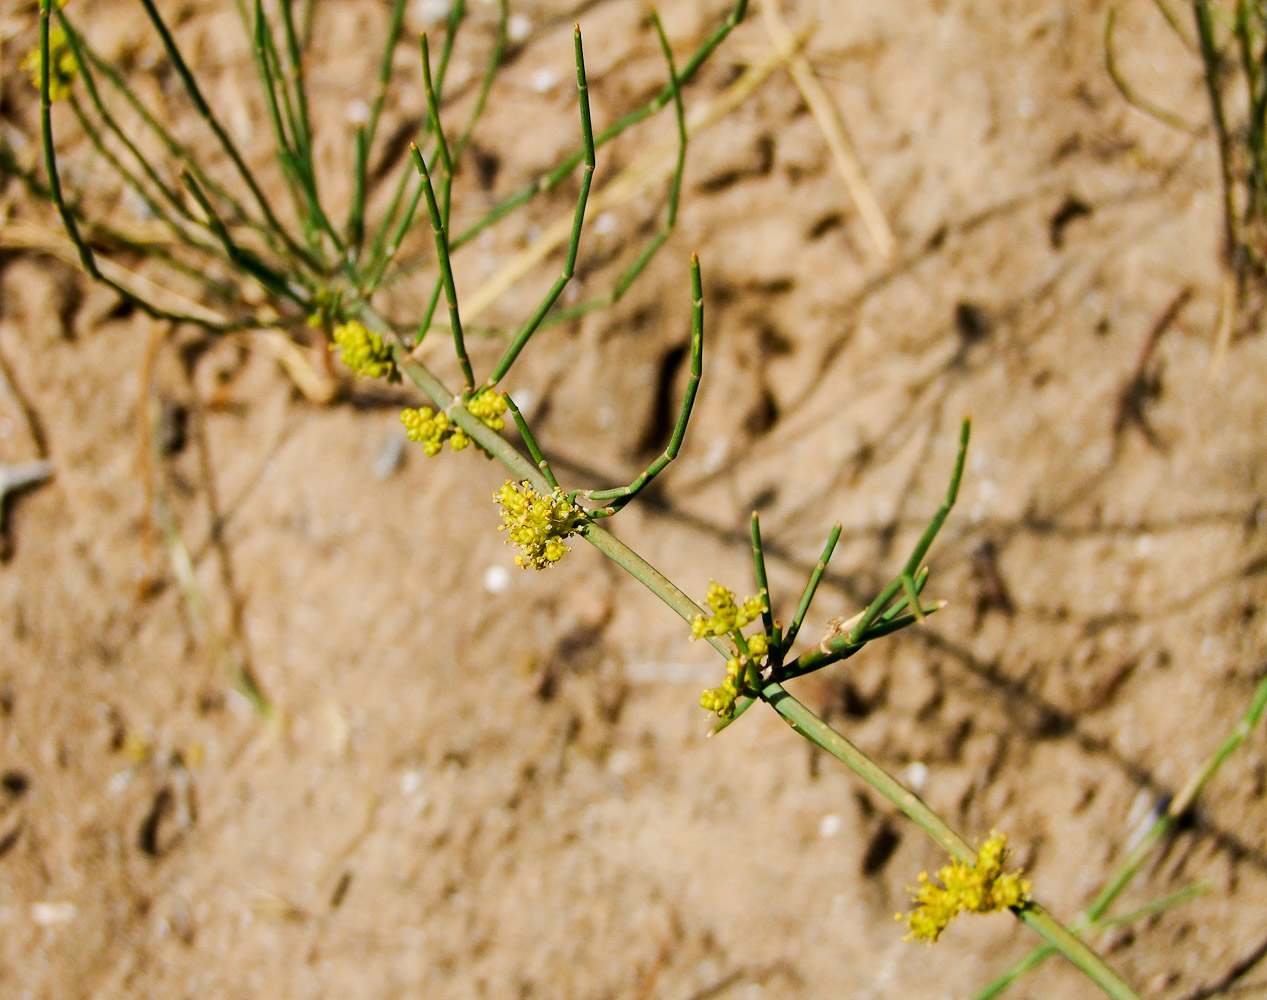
365, 136
551, 179
1077, 952
391, 231
273, 282
226, 143
296, 163
617, 498
578, 219
180, 231
356, 213
811, 586
446, 268
486, 84
675, 189
90, 84
810, 726
50, 157
526, 433
86, 256
1044, 951
763, 582
261, 33
295, 74
173, 147
395, 24
905, 579
1212, 60
442, 145
1164, 823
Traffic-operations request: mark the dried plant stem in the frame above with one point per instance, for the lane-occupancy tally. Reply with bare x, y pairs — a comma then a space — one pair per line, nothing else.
830, 122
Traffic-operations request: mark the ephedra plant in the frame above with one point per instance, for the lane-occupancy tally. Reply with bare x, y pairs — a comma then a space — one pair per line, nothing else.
228, 257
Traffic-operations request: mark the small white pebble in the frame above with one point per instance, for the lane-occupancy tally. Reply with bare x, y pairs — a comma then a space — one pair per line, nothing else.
357, 112
518, 28
390, 456
526, 399
915, 776
497, 579
830, 825
411, 781
715, 457
432, 11
544, 79
47, 914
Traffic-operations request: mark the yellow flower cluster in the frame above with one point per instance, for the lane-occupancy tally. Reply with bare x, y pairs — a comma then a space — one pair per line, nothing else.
727, 614
489, 406
979, 888
62, 67
433, 429
537, 523
728, 617
364, 351
722, 699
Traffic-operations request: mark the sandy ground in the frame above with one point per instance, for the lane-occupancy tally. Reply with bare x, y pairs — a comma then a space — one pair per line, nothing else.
487, 789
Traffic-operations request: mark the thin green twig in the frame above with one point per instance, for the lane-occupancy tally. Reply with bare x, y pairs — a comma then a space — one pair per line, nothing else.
446, 268
569, 264
905, 580
1161, 827
226, 143
808, 725
617, 498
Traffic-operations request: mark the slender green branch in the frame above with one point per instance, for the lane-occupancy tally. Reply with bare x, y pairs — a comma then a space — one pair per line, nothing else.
175, 149
578, 219
486, 84
619, 497
86, 256
1161, 827
226, 143
272, 282
810, 726
391, 229
446, 268
905, 580
265, 56
763, 581
550, 180
631, 275
533, 449
1212, 61
811, 587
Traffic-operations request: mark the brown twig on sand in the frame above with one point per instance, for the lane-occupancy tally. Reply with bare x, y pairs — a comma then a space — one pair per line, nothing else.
1140, 387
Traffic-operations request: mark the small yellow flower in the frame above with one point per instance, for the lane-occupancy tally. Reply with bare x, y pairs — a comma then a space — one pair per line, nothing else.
979, 888
426, 427
728, 618
537, 523
488, 405
62, 67
364, 351
433, 429
727, 614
